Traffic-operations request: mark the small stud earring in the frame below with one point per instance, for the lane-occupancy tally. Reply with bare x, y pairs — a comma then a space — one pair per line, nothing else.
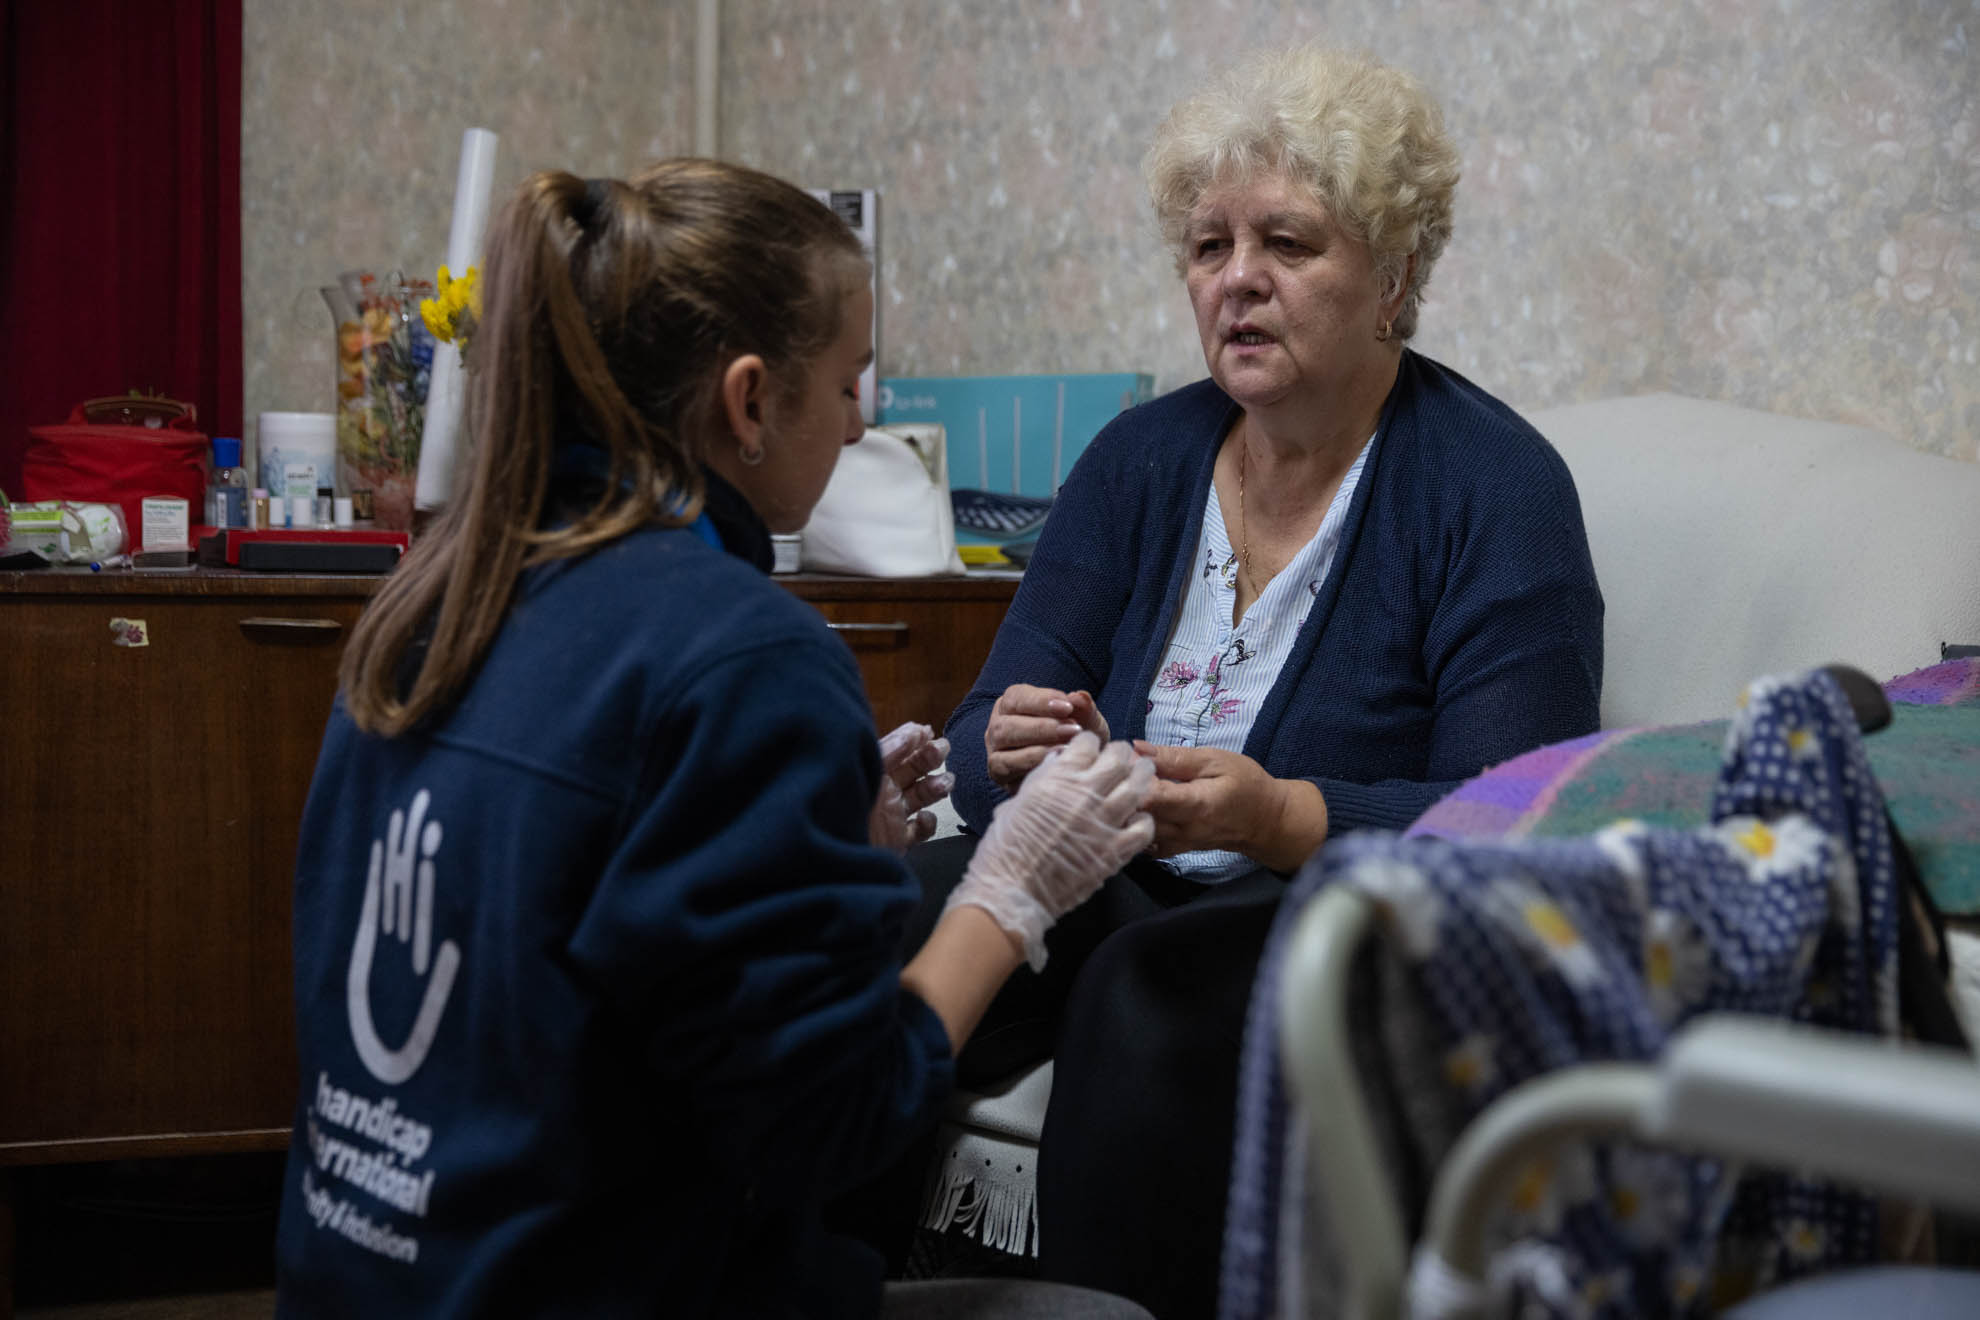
750, 457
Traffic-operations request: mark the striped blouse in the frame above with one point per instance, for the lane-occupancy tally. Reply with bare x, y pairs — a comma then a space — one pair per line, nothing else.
1215, 674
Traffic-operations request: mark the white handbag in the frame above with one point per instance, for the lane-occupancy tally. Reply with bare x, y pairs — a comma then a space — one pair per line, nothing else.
886, 511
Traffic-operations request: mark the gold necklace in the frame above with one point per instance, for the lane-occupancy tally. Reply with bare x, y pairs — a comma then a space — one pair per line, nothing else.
1244, 524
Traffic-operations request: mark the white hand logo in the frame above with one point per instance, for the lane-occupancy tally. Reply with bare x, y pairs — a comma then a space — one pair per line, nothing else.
410, 917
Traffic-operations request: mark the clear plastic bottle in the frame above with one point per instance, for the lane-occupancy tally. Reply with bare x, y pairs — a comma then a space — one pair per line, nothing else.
226, 497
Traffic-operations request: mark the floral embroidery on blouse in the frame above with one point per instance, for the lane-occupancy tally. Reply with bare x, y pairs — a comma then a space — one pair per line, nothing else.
1215, 707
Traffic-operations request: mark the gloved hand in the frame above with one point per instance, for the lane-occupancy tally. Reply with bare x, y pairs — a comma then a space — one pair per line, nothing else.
911, 780
1074, 821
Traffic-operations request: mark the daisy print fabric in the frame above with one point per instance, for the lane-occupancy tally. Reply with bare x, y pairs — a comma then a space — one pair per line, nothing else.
1216, 674
1529, 956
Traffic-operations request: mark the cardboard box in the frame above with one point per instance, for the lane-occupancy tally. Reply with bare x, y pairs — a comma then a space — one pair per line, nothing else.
1011, 436
1014, 434
860, 209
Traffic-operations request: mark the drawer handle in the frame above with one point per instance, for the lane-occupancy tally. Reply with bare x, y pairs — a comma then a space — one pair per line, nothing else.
868, 629
292, 629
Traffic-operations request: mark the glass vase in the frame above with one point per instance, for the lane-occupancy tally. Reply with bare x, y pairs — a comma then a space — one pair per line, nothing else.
384, 363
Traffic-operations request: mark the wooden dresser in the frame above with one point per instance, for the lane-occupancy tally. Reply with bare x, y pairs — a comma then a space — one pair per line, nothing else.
151, 794
160, 730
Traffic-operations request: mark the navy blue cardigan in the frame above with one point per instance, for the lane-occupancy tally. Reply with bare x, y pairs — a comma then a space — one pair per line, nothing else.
1460, 624
674, 1024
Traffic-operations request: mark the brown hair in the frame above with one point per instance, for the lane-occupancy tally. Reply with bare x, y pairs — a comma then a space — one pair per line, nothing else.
610, 309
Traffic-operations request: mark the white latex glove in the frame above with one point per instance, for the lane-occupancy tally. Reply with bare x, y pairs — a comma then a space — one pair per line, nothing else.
911, 780
1074, 821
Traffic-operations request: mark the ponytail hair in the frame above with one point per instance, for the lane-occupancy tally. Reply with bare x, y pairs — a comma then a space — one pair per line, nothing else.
609, 310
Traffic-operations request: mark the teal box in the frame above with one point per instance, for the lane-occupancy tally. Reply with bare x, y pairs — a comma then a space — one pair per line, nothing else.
1013, 435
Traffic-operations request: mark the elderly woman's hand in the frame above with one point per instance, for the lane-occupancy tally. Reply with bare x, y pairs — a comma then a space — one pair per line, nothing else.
1027, 722
1205, 797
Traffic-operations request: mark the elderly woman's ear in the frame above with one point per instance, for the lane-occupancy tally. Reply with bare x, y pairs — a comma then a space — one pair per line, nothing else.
1398, 290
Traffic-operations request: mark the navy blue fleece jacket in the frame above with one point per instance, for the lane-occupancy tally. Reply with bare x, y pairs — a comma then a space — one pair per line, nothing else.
631, 868
1460, 624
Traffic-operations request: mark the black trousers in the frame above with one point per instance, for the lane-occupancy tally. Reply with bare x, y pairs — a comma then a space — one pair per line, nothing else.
1141, 1006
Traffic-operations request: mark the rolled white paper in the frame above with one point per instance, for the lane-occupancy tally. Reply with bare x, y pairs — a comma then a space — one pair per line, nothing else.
436, 443
473, 187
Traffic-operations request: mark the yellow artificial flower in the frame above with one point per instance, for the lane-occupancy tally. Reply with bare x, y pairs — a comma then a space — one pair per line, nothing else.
468, 288
436, 320
451, 313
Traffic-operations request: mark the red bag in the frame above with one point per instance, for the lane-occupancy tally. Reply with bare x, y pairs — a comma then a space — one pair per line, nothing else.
118, 451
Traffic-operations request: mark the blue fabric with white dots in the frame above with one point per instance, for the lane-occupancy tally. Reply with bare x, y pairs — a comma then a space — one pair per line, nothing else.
1536, 954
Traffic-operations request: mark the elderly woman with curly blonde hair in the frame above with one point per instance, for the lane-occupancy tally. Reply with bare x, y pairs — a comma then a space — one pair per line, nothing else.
1321, 587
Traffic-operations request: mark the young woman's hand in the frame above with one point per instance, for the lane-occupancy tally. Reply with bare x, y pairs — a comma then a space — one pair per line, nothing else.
1074, 821
911, 780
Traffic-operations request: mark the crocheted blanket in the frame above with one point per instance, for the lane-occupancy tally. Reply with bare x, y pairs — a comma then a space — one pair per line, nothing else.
1927, 762
1511, 958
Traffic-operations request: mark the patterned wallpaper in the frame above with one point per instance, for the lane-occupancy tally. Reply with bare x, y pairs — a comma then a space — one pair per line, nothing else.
1769, 202
351, 123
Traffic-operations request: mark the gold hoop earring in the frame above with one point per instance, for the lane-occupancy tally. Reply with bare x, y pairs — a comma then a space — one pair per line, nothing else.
1382, 335
750, 457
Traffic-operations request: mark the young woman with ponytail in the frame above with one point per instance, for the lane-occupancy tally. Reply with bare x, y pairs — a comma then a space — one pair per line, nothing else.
599, 895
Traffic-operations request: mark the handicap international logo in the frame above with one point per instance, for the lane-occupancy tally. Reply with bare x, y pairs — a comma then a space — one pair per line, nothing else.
398, 901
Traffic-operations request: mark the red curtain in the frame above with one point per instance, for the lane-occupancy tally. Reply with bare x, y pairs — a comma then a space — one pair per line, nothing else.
120, 234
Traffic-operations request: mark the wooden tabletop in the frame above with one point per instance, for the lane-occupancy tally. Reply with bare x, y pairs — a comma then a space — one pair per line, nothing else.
202, 581
207, 581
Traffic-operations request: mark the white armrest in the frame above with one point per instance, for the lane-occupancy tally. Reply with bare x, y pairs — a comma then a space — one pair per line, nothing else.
1893, 1116
1327, 1101
1897, 1116
1596, 1100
